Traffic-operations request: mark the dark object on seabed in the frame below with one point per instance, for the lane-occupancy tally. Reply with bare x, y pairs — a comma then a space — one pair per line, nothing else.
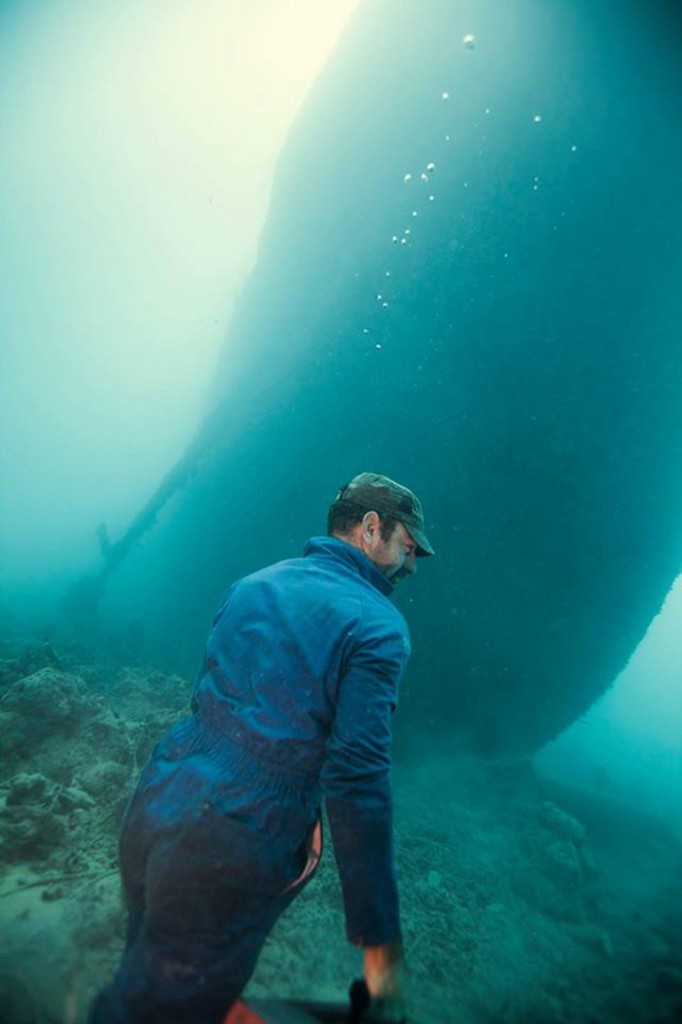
269, 1011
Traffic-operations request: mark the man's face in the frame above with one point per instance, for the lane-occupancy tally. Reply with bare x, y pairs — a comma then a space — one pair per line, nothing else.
396, 556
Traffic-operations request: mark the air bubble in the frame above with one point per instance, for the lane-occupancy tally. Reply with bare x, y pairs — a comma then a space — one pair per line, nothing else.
430, 168
469, 41
408, 177
537, 118
446, 95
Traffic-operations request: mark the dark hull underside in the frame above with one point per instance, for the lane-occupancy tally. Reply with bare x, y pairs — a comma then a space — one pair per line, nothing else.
525, 376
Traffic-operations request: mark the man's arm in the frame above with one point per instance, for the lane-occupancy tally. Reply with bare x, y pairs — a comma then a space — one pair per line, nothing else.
356, 781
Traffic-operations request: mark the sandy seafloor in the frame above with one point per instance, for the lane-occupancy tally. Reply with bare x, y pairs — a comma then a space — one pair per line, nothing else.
522, 902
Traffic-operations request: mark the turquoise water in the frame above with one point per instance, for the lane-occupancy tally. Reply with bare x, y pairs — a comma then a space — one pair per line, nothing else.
467, 279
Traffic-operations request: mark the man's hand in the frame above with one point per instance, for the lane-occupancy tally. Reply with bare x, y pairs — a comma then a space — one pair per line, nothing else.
384, 975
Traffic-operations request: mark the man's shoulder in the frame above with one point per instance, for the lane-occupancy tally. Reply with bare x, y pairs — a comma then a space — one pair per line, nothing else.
274, 571
293, 577
333, 581
318, 577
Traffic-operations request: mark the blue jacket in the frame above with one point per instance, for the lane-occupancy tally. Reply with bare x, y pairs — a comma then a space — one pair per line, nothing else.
302, 670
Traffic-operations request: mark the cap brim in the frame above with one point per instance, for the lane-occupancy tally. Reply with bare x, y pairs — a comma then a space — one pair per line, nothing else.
421, 540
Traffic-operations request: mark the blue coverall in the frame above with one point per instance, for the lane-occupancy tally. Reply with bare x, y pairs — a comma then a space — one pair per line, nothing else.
293, 704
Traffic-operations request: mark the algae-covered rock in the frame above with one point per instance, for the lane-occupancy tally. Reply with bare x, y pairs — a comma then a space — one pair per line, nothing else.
561, 859
53, 723
28, 787
104, 780
49, 695
33, 824
47, 705
562, 824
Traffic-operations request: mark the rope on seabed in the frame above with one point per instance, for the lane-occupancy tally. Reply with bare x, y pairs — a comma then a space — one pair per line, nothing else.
59, 878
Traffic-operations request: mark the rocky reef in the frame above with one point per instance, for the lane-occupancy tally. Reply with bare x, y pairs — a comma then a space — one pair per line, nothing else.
521, 902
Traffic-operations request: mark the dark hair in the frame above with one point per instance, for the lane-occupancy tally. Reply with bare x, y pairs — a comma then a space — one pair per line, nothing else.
343, 515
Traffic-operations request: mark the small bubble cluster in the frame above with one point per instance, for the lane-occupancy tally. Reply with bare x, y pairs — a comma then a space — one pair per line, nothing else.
424, 175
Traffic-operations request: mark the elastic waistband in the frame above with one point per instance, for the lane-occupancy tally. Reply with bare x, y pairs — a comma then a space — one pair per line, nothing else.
226, 743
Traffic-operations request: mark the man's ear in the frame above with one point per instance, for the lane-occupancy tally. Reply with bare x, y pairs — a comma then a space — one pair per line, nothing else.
370, 524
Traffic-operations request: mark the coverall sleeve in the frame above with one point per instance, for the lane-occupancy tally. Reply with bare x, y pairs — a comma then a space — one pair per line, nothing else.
356, 782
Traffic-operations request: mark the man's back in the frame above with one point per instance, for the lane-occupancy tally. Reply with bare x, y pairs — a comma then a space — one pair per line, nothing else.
283, 640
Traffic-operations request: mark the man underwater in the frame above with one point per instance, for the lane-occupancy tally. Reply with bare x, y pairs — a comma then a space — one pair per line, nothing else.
293, 705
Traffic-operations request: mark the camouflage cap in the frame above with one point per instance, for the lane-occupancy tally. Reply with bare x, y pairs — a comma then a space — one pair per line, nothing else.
380, 494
